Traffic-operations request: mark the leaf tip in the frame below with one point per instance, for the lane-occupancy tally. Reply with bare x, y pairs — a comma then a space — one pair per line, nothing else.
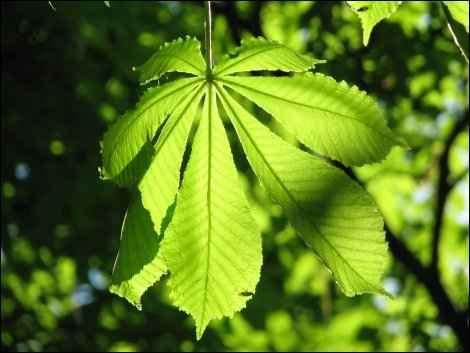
200, 329
366, 37
124, 291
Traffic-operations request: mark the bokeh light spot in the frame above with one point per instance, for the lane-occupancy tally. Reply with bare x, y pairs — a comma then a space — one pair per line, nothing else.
115, 88
107, 112
8, 190
22, 171
147, 39
57, 147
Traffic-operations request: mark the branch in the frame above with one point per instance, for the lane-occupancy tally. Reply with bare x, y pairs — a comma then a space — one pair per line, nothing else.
401, 252
443, 188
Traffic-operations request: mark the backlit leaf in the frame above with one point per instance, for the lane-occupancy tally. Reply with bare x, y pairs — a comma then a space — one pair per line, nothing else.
333, 119
261, 54
371, 13
202, 231
181, 55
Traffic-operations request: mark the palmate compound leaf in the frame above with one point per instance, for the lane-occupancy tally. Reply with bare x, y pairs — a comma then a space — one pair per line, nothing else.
212, 247
331, 118
371, 13
334, 215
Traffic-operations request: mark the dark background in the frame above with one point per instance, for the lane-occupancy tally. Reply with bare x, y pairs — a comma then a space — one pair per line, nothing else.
66, 75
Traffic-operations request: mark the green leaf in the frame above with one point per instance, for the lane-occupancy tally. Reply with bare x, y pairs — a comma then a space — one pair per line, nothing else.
458, 31
459, 11
261, 54
212, 247
181, 55
371, 13
123, 141
334, 215
160, 183
331, 118
138, 264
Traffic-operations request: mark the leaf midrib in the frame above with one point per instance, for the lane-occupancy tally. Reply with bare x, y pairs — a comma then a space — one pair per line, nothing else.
208, 197
294, 201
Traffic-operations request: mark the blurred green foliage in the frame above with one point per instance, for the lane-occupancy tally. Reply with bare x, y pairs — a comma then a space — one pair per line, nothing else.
67, 74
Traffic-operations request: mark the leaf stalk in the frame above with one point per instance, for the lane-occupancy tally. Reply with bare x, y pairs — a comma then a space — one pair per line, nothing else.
208, 40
